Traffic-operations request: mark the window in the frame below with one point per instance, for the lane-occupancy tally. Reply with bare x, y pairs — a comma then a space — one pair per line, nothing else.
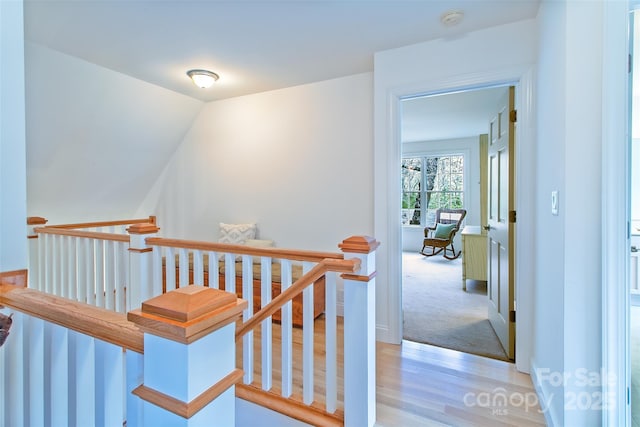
436, 180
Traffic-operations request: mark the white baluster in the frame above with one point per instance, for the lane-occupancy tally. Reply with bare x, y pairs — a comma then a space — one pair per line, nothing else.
72, 272
84, 378
64, 263
83, 262
170, 269
109, 275
157, 271
48, 280
183, 255
100, 267
331, 381
230, 273
121, 270
42, 262
90, 279
34, 329
59, 368
55, 264
16, 388
110, 384
247, 339
286, 331
198, 270
213, 269
134, 377
267, 324
307, 340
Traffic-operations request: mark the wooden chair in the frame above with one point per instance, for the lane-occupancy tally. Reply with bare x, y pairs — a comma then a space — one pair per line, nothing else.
439, 236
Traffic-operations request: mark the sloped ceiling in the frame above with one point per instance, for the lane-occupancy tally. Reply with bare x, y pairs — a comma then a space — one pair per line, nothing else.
96, 139
255, 45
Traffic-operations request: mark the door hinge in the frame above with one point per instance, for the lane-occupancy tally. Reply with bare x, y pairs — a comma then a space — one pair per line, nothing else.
513, 116
512, 216
512, 316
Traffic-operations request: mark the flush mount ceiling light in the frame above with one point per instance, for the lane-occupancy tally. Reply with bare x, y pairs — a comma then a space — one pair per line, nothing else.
451, 18
203, 78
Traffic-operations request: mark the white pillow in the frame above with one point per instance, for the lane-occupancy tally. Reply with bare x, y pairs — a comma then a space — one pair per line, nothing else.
236, 234
259, 243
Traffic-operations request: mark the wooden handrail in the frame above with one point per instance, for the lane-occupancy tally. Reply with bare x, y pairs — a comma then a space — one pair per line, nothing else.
292, 408
86, 234
151, 220
291, 254
97, 322
322, 268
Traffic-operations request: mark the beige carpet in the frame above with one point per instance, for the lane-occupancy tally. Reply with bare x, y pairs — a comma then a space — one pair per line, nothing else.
438, 312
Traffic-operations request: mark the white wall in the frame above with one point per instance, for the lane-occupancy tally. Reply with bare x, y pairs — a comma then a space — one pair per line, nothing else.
549, 259
413, 236
97, 140
296, 161
471, 60
13, 206
569, 283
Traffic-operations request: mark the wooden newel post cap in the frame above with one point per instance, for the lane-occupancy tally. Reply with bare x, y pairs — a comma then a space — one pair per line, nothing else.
188, 313
143, 228
36, 220
359, 244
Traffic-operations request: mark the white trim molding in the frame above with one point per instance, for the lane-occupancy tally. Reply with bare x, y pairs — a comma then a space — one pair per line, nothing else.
387, 160
615, 213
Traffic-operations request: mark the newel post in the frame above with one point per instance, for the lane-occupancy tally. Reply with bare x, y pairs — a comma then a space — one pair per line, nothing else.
140, 287
34, 264
189, 357
360, 333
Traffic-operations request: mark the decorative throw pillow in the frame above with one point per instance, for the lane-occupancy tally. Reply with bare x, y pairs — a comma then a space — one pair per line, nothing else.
258, 243
443, 230
236, 234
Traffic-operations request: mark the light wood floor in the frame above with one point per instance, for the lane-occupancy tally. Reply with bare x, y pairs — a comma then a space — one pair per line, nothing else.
421, 385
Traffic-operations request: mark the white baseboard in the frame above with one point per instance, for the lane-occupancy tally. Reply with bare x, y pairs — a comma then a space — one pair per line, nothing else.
544, 395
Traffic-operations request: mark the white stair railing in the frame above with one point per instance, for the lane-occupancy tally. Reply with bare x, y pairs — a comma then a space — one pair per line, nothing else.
63, 363
118, 272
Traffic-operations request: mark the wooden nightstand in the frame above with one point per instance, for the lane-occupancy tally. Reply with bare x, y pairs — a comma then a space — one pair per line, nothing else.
474, 254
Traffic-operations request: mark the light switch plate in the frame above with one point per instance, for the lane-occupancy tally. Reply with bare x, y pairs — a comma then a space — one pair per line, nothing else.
554, 202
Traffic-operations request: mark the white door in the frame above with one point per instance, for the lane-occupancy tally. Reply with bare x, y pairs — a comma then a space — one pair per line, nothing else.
501, 218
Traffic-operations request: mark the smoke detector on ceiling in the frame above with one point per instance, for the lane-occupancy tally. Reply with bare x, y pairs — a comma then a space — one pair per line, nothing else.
451, 18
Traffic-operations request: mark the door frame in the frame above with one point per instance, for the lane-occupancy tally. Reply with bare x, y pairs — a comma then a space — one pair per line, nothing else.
615, 212
388, 214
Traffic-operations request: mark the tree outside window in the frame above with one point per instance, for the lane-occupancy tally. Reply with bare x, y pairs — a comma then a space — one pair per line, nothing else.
443, 178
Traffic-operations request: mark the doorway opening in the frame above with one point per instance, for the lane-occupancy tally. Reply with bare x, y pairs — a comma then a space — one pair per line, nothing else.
445, 164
